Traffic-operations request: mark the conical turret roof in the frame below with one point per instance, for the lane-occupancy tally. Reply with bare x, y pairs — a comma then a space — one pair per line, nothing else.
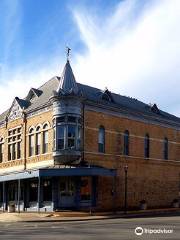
67, 84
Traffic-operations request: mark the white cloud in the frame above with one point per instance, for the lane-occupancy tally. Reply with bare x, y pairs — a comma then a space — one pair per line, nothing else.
23, 79
132, 51
135, 56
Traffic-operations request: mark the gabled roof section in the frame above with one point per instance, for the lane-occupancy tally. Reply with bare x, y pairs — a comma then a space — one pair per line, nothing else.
16, 108
67, 84
33, 92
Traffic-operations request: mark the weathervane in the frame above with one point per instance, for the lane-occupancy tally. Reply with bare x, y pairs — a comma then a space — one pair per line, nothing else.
68, 52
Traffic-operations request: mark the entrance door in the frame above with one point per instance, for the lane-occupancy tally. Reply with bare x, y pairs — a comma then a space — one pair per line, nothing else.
67, 192
12, 192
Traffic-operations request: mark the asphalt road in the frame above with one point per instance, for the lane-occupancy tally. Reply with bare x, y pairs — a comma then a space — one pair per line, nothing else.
113, 229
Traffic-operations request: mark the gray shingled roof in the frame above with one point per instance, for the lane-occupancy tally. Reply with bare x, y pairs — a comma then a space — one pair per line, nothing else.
67, 82
128, 105
46, 90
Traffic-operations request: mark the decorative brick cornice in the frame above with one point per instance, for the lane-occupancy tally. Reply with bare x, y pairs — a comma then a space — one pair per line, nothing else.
11, 163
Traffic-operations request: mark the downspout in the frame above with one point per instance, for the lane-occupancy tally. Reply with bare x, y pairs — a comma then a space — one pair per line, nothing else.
83, 136
25, 128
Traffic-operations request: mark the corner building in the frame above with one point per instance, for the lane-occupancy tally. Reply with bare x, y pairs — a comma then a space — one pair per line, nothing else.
67, 146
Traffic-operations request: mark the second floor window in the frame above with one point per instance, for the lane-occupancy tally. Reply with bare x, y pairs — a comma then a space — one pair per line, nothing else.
38, 141
1, 149
14, 143
126, 142
165, 148
67, 132
101, 139
31, 142
71, 136
146, 146
18, 150
45, 138
60, 137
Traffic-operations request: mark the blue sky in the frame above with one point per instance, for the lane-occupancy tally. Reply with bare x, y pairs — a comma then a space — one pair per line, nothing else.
130, 46
42, 28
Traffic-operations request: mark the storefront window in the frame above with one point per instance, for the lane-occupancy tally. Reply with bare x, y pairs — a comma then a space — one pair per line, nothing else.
1, 193
47, 190
67, 187
85, 188
33, 191
11, 191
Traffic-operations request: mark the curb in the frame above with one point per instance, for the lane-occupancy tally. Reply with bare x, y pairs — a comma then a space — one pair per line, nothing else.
104, 217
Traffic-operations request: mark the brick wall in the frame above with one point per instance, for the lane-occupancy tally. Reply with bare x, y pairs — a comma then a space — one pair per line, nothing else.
31, 162
156, 180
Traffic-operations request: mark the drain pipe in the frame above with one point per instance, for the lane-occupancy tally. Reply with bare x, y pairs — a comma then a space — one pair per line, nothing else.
25, 128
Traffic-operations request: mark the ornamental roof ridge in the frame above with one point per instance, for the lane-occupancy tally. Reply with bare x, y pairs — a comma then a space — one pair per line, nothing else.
67, 83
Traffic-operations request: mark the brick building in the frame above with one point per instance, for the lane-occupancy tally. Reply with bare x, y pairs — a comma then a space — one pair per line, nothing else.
69, 145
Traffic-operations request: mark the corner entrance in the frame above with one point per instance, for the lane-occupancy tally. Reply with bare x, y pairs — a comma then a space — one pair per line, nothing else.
67, 192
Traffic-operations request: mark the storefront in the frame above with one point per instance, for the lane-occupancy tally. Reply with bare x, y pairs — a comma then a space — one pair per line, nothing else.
51, 189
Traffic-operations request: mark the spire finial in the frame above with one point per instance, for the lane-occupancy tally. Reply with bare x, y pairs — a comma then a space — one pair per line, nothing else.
68, 52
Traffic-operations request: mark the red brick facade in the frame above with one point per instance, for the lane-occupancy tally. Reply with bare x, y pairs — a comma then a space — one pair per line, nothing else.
155, 179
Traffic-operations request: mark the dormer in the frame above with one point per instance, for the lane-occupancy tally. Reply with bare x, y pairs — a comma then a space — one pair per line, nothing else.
107, 96
155, 109
33, 93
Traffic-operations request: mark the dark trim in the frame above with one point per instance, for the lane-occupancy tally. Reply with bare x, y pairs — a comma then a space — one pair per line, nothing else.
79, 171
132, 115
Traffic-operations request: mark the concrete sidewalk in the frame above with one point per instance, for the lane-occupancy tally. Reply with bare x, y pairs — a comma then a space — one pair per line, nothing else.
84, 216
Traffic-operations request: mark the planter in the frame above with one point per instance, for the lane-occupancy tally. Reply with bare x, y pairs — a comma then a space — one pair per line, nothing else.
11, 208
175, 203
143, 206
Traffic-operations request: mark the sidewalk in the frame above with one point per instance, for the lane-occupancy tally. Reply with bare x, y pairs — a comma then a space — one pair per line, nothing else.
83, 216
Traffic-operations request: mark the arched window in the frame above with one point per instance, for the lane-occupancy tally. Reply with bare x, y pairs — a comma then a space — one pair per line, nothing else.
165, 148
101, 140
1, 149
45, 138
146, 146
31, 142
126, 142
38, 140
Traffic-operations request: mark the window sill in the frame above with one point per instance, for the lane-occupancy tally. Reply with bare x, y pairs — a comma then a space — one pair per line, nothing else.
38, 155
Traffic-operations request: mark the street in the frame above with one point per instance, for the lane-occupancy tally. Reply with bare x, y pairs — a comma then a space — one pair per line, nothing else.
113, 229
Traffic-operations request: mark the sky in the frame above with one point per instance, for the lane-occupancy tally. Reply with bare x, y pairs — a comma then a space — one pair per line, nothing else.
132, 47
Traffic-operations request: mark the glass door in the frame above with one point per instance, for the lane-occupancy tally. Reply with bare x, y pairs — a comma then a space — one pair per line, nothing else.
67, 192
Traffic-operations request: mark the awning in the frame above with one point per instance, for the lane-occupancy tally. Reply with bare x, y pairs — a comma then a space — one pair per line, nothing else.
57, 172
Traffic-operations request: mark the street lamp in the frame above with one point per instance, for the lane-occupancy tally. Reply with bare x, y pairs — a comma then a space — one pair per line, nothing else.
125, 188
